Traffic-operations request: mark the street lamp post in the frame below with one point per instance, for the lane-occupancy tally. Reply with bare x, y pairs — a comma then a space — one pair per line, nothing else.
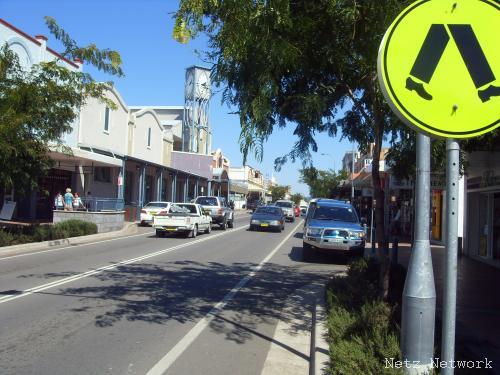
330, 155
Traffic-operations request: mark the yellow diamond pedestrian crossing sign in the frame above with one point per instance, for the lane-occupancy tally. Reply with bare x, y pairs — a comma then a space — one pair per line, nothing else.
439, 67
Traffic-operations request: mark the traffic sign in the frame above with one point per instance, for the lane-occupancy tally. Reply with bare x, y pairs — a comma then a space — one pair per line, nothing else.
439, 67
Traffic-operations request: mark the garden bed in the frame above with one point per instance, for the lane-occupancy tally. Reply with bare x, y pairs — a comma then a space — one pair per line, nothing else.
16, 235
362, 330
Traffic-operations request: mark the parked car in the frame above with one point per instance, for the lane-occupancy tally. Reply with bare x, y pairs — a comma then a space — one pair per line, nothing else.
332, 226
219, 210
296, 210
150, 210
187, 218
268, 217
287, 207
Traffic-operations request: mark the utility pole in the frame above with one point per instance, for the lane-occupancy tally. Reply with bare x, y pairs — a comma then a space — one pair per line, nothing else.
419, 294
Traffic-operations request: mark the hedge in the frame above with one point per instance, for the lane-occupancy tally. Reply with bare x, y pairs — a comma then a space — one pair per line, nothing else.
363, 330
38, 233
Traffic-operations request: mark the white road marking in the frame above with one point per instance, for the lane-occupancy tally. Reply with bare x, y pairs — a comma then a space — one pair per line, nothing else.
164, 364
27, 292
87, 244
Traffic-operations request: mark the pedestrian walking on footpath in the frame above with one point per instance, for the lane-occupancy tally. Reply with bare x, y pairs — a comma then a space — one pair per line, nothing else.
68, 200
77, 202
59, 201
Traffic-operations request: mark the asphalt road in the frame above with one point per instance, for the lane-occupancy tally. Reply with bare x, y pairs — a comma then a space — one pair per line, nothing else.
147, 305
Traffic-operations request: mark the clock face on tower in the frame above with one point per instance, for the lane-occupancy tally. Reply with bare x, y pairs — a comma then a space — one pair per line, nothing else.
203, 84
189, 85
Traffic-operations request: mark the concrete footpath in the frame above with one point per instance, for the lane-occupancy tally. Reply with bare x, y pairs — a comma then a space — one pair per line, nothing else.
290, 351
478, 304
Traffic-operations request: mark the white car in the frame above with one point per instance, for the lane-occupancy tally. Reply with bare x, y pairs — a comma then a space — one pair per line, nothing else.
187, 218
150, 210
287, 207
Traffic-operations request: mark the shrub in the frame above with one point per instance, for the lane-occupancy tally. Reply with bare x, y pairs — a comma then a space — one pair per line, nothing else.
362, 329
72, 228
39, 233
6, 239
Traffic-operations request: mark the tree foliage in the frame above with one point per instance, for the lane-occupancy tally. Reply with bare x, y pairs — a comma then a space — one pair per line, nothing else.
39, 104
308, 64
279, 192
322, 183
296, 198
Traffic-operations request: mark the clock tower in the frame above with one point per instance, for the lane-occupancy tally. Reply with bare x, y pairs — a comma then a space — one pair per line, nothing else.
196, 132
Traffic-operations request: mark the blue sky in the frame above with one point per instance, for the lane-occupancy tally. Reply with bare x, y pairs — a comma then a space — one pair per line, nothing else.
154, 66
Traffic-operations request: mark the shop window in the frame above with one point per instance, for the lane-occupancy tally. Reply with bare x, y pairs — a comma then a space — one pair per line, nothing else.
102, 174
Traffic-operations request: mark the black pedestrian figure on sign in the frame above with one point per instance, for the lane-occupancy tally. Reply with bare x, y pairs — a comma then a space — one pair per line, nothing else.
473, 56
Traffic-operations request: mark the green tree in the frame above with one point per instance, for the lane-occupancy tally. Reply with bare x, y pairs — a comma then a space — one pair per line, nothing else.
296, 198
39, 104
279, 192
310, 64
322, 183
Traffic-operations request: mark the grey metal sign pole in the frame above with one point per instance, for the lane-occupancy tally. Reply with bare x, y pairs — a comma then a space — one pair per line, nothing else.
419, 294
450, 276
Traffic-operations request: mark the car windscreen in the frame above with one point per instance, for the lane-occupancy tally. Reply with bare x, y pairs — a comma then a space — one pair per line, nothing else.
269, 211
207, 201
182, 209
156, 204
284, 204
335, 213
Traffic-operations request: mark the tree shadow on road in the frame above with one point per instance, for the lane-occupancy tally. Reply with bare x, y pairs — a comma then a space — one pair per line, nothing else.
185, 291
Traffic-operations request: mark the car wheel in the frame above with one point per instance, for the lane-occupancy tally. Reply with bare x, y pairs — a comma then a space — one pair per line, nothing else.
223, 225
230, 223
194, 232
209, 228
251, 228
160, 233
293, 219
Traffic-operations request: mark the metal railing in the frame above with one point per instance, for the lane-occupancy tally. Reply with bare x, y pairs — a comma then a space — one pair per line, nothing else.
97, 204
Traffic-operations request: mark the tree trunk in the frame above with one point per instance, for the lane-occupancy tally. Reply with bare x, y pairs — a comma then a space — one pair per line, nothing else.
379, 195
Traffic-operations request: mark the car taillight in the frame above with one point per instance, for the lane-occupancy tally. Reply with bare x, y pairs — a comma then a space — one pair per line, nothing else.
143, 212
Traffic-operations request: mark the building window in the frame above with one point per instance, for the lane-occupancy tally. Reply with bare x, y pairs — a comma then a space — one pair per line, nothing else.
106, 119
149, 137
102, 174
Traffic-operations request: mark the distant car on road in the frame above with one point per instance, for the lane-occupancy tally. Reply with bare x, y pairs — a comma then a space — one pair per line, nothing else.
187, 218
252, 204
287, 207
219, 210
268, 217
332, 226
150, 210
303, 209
